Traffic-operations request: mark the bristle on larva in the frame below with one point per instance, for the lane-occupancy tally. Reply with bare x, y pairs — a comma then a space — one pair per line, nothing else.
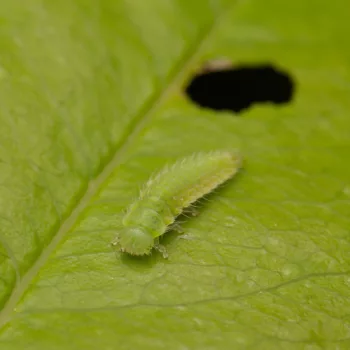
168, 192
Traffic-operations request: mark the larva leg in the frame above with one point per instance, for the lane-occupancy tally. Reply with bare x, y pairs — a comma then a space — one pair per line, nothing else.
115, 242
160, 248
187, 237
193, 211
176, 227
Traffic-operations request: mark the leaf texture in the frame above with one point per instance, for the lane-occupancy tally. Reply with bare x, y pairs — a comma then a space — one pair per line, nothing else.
92, 104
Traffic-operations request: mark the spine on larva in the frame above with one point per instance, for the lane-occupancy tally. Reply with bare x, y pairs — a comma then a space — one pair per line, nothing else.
171, 190
192, 177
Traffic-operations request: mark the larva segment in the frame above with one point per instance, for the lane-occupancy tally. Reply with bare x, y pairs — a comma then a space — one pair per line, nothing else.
167, 193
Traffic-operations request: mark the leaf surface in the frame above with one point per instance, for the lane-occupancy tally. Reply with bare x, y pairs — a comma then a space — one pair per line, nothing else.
92, 103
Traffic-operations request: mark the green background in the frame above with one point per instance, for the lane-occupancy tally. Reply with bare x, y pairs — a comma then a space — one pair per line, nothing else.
92, 103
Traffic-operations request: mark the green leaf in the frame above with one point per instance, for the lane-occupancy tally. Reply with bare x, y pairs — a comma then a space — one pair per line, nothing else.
92, 103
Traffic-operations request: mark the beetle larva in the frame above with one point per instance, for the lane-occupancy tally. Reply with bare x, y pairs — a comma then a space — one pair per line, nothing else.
168, 193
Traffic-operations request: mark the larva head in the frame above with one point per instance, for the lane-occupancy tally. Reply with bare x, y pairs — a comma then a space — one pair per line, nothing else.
135, 241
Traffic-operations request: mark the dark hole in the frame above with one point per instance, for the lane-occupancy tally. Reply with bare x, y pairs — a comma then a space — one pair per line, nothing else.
238, 88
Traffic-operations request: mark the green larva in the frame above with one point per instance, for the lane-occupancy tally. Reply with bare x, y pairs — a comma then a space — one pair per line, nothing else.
166, 195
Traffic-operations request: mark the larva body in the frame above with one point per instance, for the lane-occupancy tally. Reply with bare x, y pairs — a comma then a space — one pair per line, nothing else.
167, 193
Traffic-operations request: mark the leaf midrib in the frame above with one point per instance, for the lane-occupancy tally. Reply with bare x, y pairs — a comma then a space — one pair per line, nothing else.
132, 131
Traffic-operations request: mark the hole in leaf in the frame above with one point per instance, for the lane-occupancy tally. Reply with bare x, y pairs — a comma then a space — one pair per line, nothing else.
237, 88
